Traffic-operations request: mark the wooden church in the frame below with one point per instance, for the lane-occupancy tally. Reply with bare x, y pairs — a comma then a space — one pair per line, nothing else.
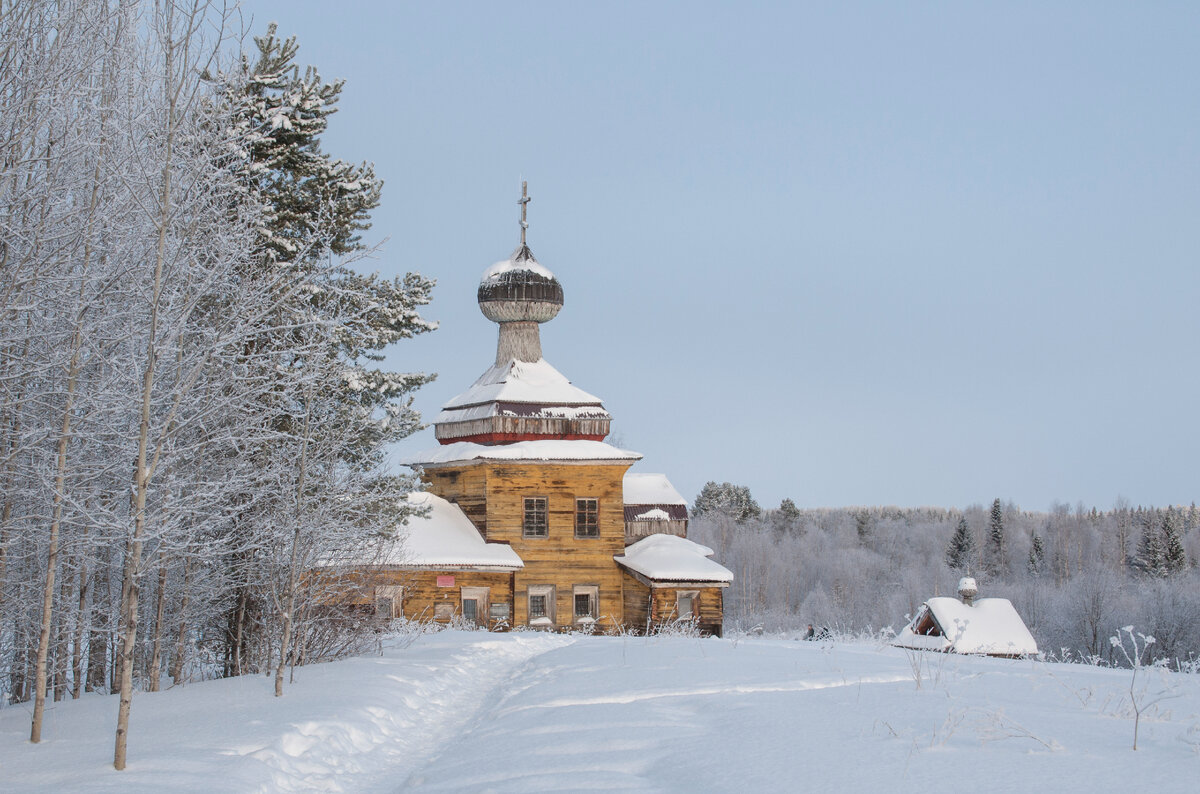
532, 519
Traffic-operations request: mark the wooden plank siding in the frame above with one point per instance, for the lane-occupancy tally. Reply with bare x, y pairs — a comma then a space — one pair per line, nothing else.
649, 606
561, 559
421, 592
465, 486
637, 605
493, 496
636, 530
711, 600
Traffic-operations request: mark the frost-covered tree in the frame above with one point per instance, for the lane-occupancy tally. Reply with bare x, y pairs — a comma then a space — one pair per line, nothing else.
1150, 559
996, 561
1036, 564
789, 511
314, 208
727, 499
1174, 557
961, 550
190, 401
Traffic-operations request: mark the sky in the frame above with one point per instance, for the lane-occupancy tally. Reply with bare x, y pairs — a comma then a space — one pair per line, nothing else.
848, 254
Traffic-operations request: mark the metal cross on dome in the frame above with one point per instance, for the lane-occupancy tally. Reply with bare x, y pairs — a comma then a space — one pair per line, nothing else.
524, 202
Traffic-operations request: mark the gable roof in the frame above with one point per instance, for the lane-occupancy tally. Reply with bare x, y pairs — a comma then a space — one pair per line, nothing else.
669, 558
990, 626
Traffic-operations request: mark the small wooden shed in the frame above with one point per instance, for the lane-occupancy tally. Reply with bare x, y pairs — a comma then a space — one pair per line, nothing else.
669, 579
989, 626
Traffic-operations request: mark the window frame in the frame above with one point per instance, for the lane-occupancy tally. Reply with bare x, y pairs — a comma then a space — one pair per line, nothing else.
547, 592
482, 598
592, 592
694, 597
393, 597
581, 510
545, 517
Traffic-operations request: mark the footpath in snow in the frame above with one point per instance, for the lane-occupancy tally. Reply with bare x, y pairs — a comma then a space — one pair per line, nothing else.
523, 712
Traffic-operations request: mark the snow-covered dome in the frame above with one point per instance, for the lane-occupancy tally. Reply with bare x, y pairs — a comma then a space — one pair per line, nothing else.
519, 289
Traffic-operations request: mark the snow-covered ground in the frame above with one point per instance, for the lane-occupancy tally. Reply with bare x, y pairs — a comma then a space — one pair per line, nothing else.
470, 711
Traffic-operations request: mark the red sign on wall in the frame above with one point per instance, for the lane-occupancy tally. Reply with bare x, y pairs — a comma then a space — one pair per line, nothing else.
445, 581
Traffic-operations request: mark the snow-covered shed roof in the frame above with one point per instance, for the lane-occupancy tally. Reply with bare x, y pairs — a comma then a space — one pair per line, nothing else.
520, 382
446, 538
545, 450
988, 626
669, 558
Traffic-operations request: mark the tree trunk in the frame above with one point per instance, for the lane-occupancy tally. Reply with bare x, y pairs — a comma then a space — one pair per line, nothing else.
288, 611
98, 632
39, 703
62, 653
181, 638
159, 609
77, 643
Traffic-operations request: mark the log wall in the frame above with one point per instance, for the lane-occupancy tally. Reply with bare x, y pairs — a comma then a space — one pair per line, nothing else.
561, 559
421, 593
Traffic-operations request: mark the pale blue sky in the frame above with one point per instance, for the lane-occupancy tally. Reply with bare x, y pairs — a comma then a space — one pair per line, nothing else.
916, 254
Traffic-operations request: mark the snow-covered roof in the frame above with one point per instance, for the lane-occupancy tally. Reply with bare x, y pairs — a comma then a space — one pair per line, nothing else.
548, 450
522, 382
650, 489
669, 558
446, 538
653, 514
988, 626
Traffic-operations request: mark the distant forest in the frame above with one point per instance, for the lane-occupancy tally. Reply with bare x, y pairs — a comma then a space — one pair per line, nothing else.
1076, 575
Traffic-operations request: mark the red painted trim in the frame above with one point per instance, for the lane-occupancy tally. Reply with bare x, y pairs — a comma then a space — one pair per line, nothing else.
509, 438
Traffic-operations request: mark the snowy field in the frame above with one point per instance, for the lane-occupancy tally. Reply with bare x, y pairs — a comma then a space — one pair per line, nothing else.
468, 711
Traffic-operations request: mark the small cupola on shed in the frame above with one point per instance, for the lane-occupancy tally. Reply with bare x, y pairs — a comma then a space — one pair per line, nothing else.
521, 397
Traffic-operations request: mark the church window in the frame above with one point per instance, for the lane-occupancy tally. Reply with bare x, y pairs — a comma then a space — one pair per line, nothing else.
535, 517
587, 518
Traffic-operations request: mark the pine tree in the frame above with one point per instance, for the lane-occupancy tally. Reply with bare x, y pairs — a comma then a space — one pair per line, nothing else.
961, 548
997, 564
786, 517
726, 499
313, 209
1037, 557
862, 526
1150, 557
1175, 560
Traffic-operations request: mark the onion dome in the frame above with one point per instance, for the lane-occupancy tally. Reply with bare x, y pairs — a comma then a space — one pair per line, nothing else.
519, 289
